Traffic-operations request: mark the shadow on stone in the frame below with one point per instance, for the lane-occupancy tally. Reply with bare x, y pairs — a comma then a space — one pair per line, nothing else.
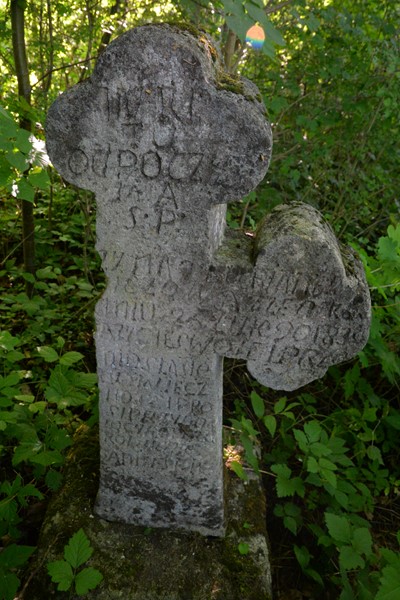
154, 564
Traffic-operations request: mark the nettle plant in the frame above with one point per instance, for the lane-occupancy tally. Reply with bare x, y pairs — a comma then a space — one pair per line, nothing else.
332, 464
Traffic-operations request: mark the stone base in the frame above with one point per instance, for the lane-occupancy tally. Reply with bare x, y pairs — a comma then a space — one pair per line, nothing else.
138, 563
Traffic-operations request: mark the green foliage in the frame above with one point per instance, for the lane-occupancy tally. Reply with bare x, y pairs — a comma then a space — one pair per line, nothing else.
65, 572
243, 548
333, 112
240, 16
35, 430
389, 582
329, 452
12, 558
331, 467
247, 436
46, 387
237, 16
21, 160
383, 273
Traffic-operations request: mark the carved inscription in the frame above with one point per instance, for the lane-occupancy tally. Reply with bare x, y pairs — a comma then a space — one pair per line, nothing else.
165, 149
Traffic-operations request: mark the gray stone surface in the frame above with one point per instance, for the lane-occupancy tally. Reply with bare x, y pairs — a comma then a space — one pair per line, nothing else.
163, 143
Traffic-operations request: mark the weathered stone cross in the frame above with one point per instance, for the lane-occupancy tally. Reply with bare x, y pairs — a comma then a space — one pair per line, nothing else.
163, 143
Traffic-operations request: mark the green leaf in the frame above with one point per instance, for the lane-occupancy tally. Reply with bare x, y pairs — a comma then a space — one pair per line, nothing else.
255, 12
53, 480
313, 574
47, 458
28, 490
320, 449
61, 573
6, 120
291, 524
57, 438
303, 556
394, 233
8, 341
233, 7
302, 440
387, 249
313, 431
250, 454
46, 273
26, 451
61, 391
285, 484
237, 468
85, 381
78, 549
389, 588
38, 407
239, 24
18, 160
374, 453
86, 580
280, 405
26, 398
23, 140
243, 548
349, 559
48, 353
338, 527
351, 378
312, 465
10, 380
25, 190
270, 424
329, 476
29, 277
327, 464
9, 584
362, 541
258, 404
15, 556
39, 180
70, 358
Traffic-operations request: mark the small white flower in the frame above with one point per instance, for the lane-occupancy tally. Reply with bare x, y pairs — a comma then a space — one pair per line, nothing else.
14, 189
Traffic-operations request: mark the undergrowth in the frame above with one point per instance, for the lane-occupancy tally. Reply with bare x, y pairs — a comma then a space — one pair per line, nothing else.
330, 451
330, 460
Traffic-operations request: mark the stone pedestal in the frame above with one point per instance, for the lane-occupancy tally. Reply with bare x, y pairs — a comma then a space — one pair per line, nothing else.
155, 564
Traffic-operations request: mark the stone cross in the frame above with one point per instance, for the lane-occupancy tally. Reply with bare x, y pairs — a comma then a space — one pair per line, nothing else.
165, 140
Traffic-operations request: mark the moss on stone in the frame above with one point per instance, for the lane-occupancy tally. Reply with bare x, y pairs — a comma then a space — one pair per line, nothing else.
230, 83
142, 564
235, 252
199, 34
186, 26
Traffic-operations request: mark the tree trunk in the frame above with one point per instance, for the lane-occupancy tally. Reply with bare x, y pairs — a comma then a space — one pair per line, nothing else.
107, 33
24, 91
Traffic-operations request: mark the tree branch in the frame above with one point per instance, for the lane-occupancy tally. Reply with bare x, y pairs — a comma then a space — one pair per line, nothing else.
80, 62
269, 10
